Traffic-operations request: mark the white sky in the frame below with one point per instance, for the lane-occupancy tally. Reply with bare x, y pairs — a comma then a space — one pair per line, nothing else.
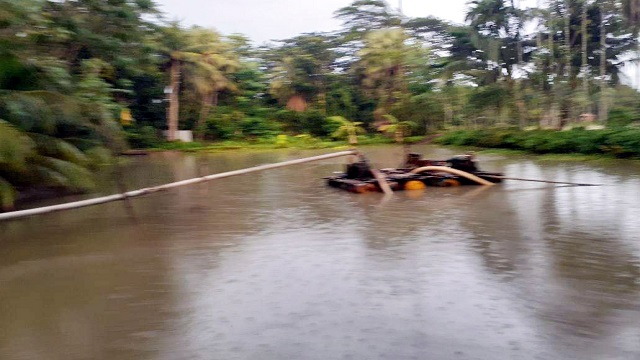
264, 20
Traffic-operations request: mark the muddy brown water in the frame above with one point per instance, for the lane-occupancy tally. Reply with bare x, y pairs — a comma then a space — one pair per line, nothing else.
275, 265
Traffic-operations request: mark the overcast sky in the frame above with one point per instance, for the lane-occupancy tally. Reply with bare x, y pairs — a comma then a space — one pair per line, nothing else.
264, 20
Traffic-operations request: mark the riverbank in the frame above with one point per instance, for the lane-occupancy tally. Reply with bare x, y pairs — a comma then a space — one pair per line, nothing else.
571, 145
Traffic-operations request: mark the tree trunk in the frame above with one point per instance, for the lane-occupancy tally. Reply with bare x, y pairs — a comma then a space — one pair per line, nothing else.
399, 135
209, 100
520, 104
322, 102
518, 32
636, 28
538, 61
353, 138
552, 66
567, 39
603, 111
584, 63
568, 58
448, 114
522, 109
174, 103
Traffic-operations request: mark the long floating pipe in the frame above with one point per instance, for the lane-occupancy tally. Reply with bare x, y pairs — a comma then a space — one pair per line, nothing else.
543, 181
150, 190
453, 171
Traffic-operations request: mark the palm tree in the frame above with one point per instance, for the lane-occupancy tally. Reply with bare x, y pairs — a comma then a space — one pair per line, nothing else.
566, 6
382, 64
515, 13
172, 45
348, 129
210, 72
284, 78
497, 29
584, 35
182, 47
489, 17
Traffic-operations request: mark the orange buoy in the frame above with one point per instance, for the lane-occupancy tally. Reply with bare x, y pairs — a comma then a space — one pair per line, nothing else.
414, 185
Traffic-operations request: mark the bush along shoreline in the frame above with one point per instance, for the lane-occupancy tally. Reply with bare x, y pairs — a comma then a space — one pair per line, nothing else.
281, 141
619, 143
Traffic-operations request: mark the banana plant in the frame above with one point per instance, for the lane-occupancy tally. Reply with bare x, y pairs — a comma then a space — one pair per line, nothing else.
399, 129
347, 129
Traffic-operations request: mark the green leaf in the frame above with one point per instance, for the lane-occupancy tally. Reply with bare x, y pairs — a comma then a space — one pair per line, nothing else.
53, 147
76, 176
7, 195
49, 177
15, 147
98, 155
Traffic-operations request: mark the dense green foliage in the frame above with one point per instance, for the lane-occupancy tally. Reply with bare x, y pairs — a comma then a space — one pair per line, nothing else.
83, 76
49, 141
622, 142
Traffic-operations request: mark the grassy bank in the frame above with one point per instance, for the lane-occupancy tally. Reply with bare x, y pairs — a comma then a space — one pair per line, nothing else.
619, 143
279, 142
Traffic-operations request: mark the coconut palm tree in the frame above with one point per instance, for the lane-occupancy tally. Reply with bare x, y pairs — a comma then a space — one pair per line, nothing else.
183, 47
210, 73
489, 17
382, 67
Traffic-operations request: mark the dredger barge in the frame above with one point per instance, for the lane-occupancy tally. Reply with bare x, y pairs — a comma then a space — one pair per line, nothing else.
416, 173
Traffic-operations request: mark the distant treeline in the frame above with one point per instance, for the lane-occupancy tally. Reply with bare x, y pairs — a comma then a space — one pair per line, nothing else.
622, 143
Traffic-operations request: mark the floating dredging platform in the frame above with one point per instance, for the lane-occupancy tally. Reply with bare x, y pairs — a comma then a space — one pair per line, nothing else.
416, 173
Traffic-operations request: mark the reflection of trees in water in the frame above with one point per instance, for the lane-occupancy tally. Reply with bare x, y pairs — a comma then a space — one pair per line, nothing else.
593, 263
432, 215
491, 225
598, 276
380, 224
574, 280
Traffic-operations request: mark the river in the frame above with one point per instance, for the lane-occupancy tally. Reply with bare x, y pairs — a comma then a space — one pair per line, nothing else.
275, 265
